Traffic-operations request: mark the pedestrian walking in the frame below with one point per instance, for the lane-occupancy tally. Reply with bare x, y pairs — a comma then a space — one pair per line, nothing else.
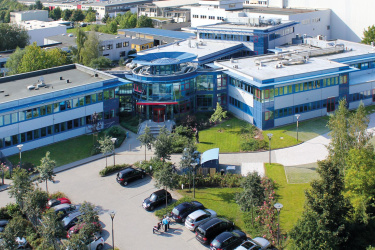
165, 223
169, 221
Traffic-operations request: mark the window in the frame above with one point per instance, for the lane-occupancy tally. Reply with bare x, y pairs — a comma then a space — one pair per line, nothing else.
109, 46
88, 99
122, 53
343, 79
125, 44
204, 100
118, 45
268, 115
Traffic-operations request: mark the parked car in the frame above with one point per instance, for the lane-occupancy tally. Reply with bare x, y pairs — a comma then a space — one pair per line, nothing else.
71, 220
96, 244
198, 217
58, 201
75, 229
181, 211
257, 243
156, 199
63, 210
126, 61
228, 240
207, 231
130, 174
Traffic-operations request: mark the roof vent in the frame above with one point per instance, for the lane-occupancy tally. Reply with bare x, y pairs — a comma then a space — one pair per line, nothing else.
1, 91
61, 78
6, 95
96, 75
67, 81
30, 87
70, 35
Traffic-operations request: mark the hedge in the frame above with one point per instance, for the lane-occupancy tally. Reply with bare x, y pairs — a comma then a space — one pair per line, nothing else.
111, 169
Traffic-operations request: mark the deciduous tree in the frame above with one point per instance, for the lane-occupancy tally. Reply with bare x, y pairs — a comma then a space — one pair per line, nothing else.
106, 146
144, 21
21, 185
146, 139
34, 203
17, 227
369, 35
50, 229
190, 155
55, 14
90, 50
163, 144
12, 36
218, 115
14, 61
45, 169
101, 62
165, 178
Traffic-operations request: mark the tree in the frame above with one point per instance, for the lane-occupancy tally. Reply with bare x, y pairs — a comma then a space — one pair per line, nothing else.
146, 139
105, 18
369, 35
360, 182
34, 203
252, 194
128, 20
90, 17
90, 50
17, 227
50, 229
21, 185
89, 218
165, 178
55, 14
163, 144
77, 16
113, 27
14, 61
46, 169
80, 42
38, 5
144, 21
101, 62
12, 36
190, 155
67, 14
358, 124
106, 146
323, 223
218, 115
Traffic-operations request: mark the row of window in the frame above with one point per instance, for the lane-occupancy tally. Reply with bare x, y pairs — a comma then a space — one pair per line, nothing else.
110, 46
365, 65
55, 107
240, 105
209, 17
229, 37
298, 109
280, 33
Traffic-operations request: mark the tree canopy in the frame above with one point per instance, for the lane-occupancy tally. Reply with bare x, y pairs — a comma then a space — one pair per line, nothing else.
369, 35
12, 36
45, 169
163, 144
146, 139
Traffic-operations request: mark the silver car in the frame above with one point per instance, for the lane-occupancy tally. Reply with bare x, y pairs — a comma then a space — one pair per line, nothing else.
198, 217
256, 243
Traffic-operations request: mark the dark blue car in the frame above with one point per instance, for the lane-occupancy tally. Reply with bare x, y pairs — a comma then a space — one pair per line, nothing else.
180, 212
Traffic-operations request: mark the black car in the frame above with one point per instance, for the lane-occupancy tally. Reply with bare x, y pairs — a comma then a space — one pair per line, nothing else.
228, 240
207, 231
181, 211
130, 174
156, 199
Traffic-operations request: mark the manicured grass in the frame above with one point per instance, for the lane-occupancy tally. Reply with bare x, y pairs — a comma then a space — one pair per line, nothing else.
220, 200
302, 173
292, 196
62, 152
228, 140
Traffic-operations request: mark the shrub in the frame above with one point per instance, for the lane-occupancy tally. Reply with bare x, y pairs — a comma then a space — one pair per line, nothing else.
57, 195
155, 162
111, 169
4, 215
216, 180
179, 142
184, 131
116, 132
13, 209
252, 144
161, 212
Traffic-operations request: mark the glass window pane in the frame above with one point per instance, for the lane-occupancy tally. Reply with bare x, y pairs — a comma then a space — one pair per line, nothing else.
22, 115
23, 137
15, 139
35, 112
100, 97
63, 126
75, 102
56, 107
6, 119
43, 111
69, 104
81, 101
14, 117
49, 109
57, 128
93, 98
36, 134
29, 135
29, 114
43, 132
1, 122
49, 130
87, 100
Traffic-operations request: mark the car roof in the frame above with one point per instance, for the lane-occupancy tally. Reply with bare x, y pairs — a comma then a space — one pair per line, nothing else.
161, 191
183, 205
61, 206
197, 214
196, 203
210, 223
73, 215
127, 170
224, 236
262, 241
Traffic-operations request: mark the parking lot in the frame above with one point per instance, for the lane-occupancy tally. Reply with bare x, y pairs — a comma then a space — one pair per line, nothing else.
132, 224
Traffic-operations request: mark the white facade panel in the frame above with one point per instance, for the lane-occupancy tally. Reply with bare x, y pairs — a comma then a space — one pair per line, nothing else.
241, 115
9, 130
283, 101
308, 96
241, 95
330, 92
354, 105
360, 87
38, 35
35, 124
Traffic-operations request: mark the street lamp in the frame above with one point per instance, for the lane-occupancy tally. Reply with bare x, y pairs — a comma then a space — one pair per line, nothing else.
194, 164
297, 116
112, 214
278, 207
19, 146
269, 137
114, 153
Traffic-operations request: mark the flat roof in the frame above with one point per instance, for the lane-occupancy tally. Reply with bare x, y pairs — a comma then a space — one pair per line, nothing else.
160, 32
70, 38
206, 48
249, 67
16, 86
140, 41
36, 24
114, 3
175, 3
230, 26
274, 10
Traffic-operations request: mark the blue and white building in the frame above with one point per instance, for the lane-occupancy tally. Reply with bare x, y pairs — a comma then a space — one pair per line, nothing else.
51, 105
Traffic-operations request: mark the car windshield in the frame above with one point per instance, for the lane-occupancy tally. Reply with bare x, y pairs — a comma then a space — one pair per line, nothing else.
153, 197
189, 219
175, 211
66, 220
216, 243
248, 244
200, 230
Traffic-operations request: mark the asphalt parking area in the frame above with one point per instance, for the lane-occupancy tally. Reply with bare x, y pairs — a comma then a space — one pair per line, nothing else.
132, 224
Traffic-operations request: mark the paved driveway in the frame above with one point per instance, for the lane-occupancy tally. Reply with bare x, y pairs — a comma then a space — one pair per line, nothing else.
132, 224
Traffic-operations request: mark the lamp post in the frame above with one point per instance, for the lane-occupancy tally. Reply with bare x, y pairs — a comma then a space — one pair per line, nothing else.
114, 153
112, 214
269, 138
194, 164
278, 207
19, 146
297, 116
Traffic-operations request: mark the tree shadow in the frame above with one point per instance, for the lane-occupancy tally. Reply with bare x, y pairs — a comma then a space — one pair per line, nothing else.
203, 142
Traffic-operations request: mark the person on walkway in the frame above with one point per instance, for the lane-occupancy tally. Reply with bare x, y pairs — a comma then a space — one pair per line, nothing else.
196, 135
169, 221
157, 227
165, 223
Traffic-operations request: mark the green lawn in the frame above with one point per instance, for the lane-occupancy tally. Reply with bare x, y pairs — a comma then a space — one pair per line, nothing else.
228, 140
63, 152
292, 196
220, 200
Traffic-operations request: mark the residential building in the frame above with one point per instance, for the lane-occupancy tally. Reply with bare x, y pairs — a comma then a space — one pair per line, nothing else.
46, 106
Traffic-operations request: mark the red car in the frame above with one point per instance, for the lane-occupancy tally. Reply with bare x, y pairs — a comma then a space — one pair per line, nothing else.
75, 229
58, 201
